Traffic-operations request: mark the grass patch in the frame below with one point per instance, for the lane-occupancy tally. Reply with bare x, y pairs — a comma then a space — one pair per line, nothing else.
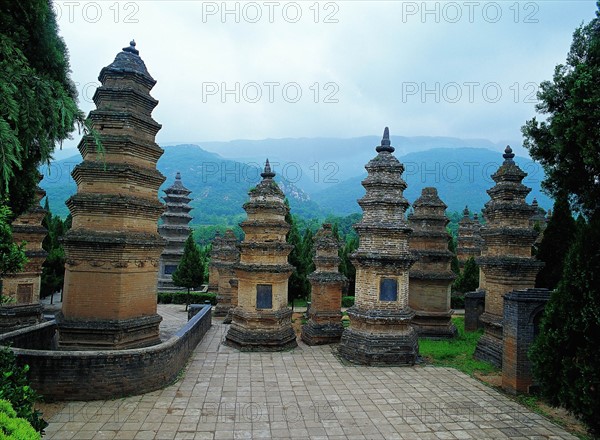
456, 353
298, 302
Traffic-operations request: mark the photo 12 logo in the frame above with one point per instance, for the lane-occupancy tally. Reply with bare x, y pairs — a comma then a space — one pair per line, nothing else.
469, 12
269, 91
270, 12
469, 91
94, 12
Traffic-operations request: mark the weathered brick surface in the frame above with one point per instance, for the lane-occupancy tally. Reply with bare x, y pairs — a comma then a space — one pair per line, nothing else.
113, 249
105, 374
430, 276
324, 316
522, 313
24, 287
505, 263
263, 261
380, 330
175, 230
227, 255
474, 307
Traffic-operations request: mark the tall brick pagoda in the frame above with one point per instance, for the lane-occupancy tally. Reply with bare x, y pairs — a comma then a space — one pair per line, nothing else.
113, 249
24, 287
262, 319
506, 263
380, 332
324, 315
469, 238
431, 276
213, 271
175, 230
228, 256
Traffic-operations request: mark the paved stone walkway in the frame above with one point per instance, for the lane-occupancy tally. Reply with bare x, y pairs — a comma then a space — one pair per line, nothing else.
303, 394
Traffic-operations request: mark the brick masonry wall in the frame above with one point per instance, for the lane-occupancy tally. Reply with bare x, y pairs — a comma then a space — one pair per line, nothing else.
110, 374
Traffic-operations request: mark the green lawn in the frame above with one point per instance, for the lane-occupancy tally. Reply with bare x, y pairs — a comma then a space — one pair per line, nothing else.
457, 352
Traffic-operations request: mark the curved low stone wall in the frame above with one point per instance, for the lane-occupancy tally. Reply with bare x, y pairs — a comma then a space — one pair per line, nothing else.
107, 374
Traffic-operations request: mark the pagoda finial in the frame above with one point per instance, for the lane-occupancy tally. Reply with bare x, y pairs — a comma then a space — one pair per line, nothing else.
386, 144
131, 48
508, 154
534, 203
267, 173
178, 176
466, 211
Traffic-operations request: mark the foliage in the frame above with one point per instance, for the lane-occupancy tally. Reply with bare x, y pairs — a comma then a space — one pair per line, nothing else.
53, 269
182, 297
301, 258
347, 301
452, 244
12, 255
346, 266
39, 99
565, 354
190, 270
468, 279
457, 352
15, 388
13, 427
567, 144
555, 244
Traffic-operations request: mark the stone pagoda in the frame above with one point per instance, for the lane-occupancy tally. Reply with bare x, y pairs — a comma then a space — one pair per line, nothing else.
506, 263
324, 315
175, 230
113, 249
431, 276
380, 332
228, 256
24, 287
469, 238
262, 320
213, 271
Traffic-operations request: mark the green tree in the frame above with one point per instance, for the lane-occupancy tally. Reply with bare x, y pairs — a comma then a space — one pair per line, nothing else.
565, 354
190, 270
39, 99
558, 237
53, 269
567, 144
12, 255
468, 279
298, 285
346, 267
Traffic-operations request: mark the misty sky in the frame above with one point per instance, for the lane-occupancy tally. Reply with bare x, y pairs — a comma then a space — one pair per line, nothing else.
255, 70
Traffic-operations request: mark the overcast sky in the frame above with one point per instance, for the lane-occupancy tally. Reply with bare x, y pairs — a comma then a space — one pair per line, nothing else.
255, 70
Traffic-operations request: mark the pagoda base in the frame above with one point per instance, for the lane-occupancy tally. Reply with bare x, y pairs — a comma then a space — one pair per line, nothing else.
78, 334
229, 317
434, 325
223, 306
319, 334
489, 346
378, 337
261, 331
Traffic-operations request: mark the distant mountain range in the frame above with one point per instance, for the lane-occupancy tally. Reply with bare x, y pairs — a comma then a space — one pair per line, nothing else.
315, 185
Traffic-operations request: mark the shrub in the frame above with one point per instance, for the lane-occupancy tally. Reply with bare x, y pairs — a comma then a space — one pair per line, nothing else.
13, 427
14, 387
347, 301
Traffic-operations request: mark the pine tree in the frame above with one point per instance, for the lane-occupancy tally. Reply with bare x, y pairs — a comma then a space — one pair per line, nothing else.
190, 270
558, 237
346, 267
565, 354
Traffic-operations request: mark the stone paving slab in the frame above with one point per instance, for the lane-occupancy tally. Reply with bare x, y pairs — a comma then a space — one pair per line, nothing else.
307, 393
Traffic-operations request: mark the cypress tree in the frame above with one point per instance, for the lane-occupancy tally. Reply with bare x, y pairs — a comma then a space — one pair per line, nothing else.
190, 270
556, 241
